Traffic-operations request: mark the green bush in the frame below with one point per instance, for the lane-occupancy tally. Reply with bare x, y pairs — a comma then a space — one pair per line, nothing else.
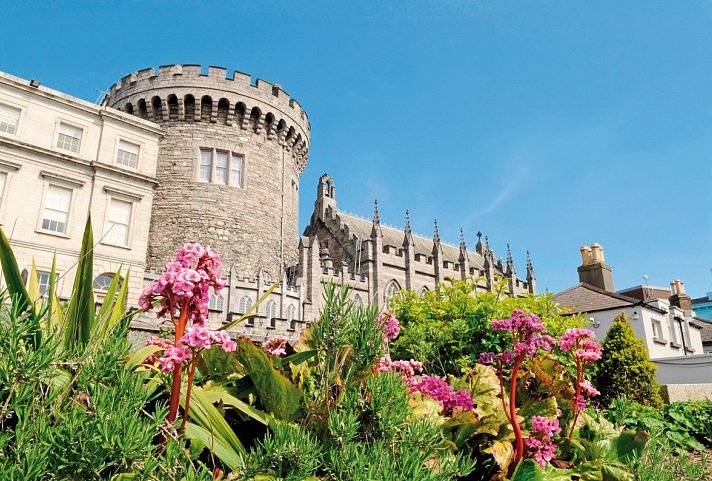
625, 369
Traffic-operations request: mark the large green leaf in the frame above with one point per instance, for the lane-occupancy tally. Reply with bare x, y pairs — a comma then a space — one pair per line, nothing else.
278, 395
80, 313
216, 445
626, 447
15, 285
216, 392
528, 470
545, 407
582, 472
204, 414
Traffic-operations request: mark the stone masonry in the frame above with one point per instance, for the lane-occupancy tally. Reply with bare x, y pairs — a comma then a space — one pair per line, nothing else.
252, 225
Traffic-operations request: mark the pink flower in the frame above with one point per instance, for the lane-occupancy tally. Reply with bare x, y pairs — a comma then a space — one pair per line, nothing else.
390, 325
406, 368
589, 389
277, 346
442, 392
540, 446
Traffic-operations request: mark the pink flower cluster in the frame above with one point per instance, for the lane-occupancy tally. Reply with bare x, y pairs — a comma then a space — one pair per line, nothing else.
580, 342
406, 368
443, 393
540, 447
277, 346
188, 279
528, 331
196, 337
389, 323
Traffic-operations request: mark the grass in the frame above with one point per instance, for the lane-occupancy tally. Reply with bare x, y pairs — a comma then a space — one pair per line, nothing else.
660, 462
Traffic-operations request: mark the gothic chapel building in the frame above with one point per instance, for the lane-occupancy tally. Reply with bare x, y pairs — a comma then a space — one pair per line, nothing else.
217, 159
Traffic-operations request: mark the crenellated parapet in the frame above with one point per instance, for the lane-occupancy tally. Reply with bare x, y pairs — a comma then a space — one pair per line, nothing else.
183, 93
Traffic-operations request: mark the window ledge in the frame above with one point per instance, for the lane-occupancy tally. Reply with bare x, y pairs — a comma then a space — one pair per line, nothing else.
51, 232
659, 341
214, 310
675, 345
270, 327
120, 246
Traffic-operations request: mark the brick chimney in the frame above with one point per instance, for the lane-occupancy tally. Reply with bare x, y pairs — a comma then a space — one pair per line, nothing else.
593, 269
679, 297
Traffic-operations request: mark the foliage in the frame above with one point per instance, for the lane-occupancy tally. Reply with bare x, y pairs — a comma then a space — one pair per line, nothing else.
660, 462
78, 325
685, 425
625, 368
95, 423
449, 327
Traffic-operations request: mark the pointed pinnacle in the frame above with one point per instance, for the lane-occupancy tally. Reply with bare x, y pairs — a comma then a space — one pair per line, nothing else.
407, 221
462, 239
376, 216
436, 233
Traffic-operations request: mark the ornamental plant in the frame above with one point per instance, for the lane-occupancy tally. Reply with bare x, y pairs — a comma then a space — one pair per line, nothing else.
625, 369
182, 294
527, 335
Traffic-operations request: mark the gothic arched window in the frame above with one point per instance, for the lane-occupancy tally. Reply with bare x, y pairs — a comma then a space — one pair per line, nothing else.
391, 290
245, 304
216, 302
271, 313
103, 281
357, 301
423, 291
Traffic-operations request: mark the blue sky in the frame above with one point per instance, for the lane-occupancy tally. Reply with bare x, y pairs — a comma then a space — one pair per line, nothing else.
546, 124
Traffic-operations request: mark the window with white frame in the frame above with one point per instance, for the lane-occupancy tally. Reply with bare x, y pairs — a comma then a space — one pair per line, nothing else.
9, 117
69, 137
245, 304
103, 281
236, 170
127, 154
56, 209
118, 220
216, 302
43, 281
221, 162
657, 329
221, 167
271, 313
206, 165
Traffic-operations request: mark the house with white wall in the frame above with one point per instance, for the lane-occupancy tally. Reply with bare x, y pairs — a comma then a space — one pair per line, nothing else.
662, 318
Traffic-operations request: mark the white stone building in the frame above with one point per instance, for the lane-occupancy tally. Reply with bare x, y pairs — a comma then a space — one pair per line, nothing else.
61, 159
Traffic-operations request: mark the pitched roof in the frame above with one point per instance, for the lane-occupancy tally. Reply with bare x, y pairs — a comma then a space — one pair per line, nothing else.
587, 298
705, 329
394, 237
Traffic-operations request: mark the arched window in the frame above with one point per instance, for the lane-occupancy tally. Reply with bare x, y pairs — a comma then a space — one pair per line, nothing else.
172, 107
267, 278
206, 108
423, 291
129, 108
291, 315
391, 290
103, 281
239, 113
157, 108
357, 301
271, 313
223, 107
189, 106
245, 304
255, 114
142, 110
216, 302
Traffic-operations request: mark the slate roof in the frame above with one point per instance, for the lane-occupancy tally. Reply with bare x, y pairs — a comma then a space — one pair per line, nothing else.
423, 245
587, 298
705, 329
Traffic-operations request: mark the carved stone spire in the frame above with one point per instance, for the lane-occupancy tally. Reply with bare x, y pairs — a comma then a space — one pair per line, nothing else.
511, 271
408, 238
436, 233
531, 278
376, 229
463, 246
479, 247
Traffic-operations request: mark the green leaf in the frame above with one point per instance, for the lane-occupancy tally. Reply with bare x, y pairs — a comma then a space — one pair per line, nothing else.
546, 407
618, 472
503, 454
528, 470
626, 447
279, 396
109, 297
118, 311
299, 357
80, 313
205, 415
139, 356
216, 392
232, 458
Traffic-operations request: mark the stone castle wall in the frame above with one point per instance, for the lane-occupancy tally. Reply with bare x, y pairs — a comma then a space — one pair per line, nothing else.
253, 225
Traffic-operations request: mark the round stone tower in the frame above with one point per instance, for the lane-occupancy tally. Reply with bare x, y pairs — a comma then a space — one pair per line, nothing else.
228, 166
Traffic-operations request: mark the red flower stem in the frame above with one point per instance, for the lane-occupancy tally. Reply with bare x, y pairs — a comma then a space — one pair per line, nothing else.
177, 372
518, 438
576, 396
501, 393
191, 375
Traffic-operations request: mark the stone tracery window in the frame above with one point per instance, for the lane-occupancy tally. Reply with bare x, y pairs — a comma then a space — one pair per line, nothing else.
391, 290
216, 302
271, 313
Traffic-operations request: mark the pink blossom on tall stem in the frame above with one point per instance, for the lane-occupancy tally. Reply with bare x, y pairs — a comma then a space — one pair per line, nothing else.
390, 325
443, 393
580, 344
407, 369
182, 293
540, 446
528, 335
276, 346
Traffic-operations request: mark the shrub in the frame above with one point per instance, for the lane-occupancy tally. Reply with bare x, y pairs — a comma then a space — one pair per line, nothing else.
625, 369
